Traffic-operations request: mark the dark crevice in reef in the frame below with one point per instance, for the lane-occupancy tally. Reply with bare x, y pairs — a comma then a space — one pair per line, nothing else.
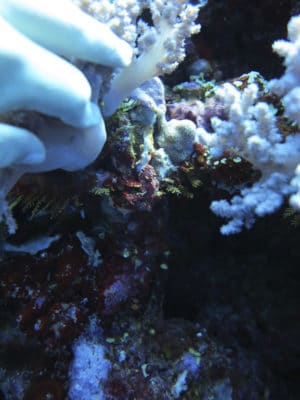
243, 289
233, 41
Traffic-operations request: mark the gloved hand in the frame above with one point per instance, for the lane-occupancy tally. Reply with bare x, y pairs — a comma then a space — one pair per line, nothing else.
33, 76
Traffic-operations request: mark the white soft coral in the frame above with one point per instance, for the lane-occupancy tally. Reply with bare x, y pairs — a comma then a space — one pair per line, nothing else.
251, 132
158, 49
33, 78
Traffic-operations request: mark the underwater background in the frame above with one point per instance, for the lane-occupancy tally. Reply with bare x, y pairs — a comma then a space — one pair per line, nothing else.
118, 284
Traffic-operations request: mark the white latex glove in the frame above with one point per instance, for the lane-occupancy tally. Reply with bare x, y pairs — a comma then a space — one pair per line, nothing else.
32, 77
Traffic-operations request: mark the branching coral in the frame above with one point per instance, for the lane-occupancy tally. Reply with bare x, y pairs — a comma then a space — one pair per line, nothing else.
156, 32
158, 49
251, 132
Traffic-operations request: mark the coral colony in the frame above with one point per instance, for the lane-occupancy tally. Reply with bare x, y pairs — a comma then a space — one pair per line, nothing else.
96, 239
248, 130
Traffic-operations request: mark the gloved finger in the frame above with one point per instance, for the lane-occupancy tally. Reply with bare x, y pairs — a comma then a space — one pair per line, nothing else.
32, 78
19, 146
63, 28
